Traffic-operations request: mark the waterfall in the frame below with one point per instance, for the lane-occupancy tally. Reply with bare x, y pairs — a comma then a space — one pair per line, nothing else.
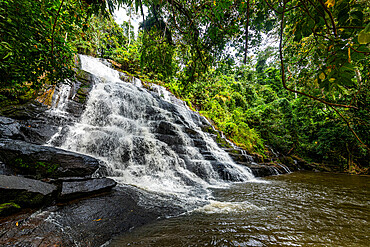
149, 139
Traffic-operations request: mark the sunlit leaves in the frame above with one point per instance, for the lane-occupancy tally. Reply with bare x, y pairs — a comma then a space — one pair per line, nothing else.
364, 35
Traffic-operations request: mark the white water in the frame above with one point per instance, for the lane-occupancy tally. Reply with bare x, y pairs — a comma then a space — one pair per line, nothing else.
120, 127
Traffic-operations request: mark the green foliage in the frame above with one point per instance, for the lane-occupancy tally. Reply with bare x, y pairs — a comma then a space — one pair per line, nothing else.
221, 99
8, 208
157, 54
194, 49
33, 47
7, 205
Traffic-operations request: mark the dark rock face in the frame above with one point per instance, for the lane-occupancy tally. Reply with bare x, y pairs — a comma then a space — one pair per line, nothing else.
29, 110
20, 183
225, 173
289, 162
88, 222
43, 161
37, 131
24, 191
9, 128
33, 131
75, 189
263, 170
5, 170
81, 89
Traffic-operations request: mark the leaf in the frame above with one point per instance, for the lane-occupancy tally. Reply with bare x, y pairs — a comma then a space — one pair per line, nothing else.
330, 3
322, 76
364, 35
363, 38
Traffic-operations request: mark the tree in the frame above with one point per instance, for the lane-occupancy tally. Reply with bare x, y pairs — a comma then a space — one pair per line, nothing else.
34, 48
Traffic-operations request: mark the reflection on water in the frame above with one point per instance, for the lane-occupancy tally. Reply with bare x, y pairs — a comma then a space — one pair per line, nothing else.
299, 209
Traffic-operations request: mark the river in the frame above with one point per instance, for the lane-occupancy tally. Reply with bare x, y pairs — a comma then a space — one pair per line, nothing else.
297, 209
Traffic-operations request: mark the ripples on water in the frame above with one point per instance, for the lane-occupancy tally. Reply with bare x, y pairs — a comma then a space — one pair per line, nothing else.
299, 209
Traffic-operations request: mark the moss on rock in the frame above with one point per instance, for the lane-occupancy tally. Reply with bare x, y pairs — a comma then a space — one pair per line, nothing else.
8, 208
39, 169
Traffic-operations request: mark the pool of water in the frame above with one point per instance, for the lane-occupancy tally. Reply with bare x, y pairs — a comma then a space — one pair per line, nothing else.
298, 209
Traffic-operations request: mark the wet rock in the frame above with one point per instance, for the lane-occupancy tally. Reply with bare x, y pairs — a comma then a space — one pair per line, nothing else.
29, 110
166, 128
34, 131
200, 143
226, 173
191, 132
87, 222
83, 87
319, 167
289, 162
30, 229
263, 170
170, 140
5, 170
257, 157
239, 157
37, 131
302, 164
9, 128
75, 108
24, 191
75, 189
85, 77
44, 161
21, 183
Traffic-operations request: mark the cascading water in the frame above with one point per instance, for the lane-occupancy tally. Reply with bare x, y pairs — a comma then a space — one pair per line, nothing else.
147, 139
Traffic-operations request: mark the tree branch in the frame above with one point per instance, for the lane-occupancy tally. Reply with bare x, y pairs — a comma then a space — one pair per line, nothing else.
331, 17
283, 71
55, 23
310, 96
246, 35
350, 128
321, 13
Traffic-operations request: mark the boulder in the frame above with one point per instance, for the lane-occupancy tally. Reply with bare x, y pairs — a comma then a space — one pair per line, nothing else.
263, 170
29, 110
91, 221
257, 157
9, 128
34, 131
43, 161
289, 162
24, 191
75, 189
75, 108
37, 131
5, 170
226, 172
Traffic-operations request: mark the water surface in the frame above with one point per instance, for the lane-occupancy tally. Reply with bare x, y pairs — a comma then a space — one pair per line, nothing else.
298, 209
